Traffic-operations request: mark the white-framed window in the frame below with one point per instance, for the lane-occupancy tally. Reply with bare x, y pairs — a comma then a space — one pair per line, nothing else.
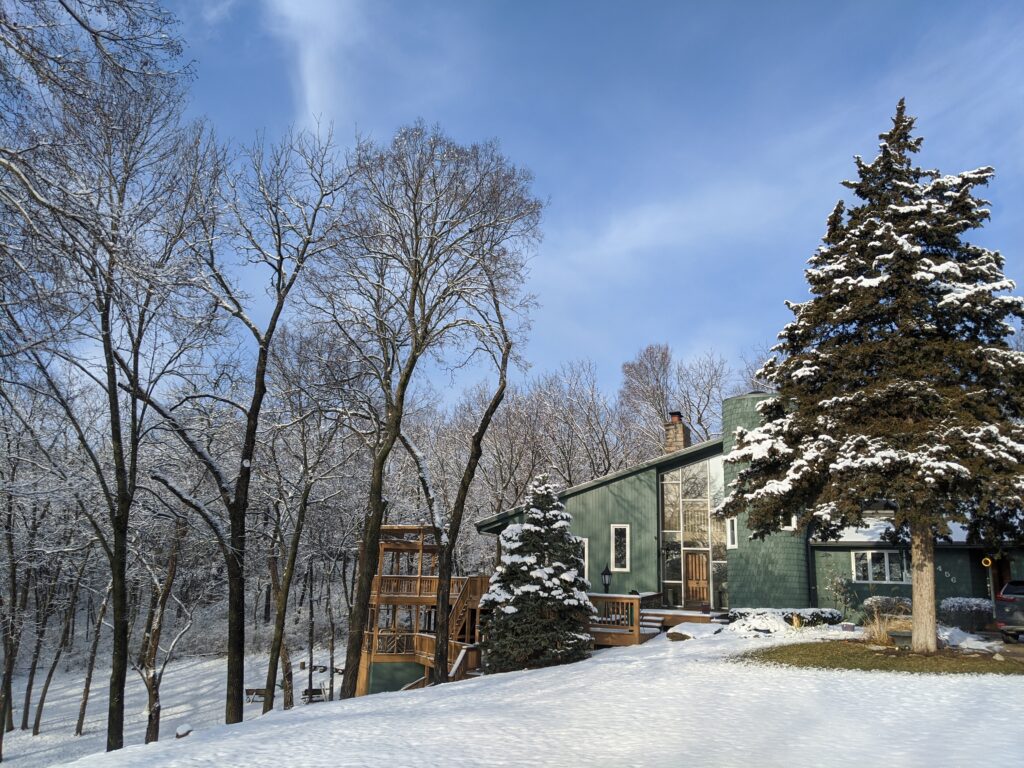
792, 524
880, 566
620, 547
586, 557
732, 533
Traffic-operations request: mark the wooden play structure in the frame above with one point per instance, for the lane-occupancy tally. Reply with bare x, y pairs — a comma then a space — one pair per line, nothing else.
400, 639
403, 614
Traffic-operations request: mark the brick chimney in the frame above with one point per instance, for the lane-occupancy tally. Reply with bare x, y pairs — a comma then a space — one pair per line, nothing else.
677, 434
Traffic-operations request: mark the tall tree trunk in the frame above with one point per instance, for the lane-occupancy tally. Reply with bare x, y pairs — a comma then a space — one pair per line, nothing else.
281, 587
330, 642
234, 695
278, 649
347, 584
922, 556
287, 678
309, 575
42, 621
153, 715
149, 650
80, 724
5, 700
119, 646
442, 628
37, 724
446, 556
367, 567
12, 644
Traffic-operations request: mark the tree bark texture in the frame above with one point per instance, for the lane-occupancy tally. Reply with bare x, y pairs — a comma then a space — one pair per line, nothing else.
922, 556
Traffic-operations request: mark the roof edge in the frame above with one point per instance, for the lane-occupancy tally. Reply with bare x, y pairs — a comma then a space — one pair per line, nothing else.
493, 520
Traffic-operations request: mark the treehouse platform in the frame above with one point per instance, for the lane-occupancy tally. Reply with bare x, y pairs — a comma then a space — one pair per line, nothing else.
401, 638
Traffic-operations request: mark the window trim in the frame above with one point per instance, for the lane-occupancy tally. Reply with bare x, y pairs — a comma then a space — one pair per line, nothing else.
586, 557
887, 552
612, 567
732, 533
792, 524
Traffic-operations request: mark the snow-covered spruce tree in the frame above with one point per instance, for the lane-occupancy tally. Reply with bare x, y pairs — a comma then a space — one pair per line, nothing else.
895, 382
538, 597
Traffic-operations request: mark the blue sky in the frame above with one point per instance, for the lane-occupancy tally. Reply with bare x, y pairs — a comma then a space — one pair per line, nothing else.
690, 152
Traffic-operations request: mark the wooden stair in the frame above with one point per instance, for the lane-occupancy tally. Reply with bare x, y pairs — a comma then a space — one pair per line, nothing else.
666, 618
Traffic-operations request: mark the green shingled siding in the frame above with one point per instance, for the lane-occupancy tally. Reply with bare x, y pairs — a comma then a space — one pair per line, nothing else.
958, 573
632, 500
770, 573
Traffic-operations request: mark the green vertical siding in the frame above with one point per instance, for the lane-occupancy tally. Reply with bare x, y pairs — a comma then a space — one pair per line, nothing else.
763, 574
632, 500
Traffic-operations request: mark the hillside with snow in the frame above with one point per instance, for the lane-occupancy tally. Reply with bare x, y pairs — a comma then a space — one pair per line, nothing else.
660, 704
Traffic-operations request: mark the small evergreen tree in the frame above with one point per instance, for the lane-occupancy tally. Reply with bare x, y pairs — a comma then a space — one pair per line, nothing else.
539, 609
896, 384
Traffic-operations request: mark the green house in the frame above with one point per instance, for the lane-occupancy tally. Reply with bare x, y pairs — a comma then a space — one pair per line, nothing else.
650, 526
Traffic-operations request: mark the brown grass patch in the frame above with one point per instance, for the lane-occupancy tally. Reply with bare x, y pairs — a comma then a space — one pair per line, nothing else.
852, 654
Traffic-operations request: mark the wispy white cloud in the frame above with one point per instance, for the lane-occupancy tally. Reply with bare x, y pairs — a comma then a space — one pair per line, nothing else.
215, 11
320, 34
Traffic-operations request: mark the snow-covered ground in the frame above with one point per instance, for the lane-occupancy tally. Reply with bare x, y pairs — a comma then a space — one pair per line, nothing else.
192, 693
660, 704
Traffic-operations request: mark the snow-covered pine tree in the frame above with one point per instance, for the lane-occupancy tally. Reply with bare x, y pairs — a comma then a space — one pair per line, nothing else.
539, 609
895, 381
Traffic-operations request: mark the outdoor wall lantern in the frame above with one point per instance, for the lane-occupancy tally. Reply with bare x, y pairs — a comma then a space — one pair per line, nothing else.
606, 578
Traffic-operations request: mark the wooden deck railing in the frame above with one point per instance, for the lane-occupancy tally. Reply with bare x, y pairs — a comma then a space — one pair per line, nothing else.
619, 614
415, 586
461, 656
390, 643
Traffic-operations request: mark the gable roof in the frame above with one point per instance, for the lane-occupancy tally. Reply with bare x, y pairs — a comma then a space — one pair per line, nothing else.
495, 523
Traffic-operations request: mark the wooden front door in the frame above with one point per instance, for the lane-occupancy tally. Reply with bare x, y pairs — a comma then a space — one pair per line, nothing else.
695, 571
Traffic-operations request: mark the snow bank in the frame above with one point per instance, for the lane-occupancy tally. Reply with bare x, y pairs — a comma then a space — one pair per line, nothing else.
760, 624
957, 638
757, 622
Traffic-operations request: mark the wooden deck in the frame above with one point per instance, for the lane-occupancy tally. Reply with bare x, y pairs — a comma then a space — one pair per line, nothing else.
620, 620
635, 619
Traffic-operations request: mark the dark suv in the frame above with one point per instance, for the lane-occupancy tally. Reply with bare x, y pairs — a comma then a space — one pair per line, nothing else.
1010, 611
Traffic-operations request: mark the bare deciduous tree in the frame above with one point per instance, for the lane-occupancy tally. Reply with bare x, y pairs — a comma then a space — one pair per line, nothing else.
436, 229
281, 211
121, 200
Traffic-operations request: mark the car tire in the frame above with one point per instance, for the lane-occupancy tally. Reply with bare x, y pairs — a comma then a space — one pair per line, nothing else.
1010, 637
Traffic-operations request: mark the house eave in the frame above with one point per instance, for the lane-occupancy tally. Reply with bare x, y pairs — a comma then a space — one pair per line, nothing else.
495, 523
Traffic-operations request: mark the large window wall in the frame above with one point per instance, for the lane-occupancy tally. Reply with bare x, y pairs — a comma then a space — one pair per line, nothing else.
693, 543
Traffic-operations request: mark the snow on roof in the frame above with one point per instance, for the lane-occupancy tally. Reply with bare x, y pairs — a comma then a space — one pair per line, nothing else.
874, 530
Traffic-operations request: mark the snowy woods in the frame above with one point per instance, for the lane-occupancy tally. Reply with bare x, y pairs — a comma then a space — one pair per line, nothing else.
223, 368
